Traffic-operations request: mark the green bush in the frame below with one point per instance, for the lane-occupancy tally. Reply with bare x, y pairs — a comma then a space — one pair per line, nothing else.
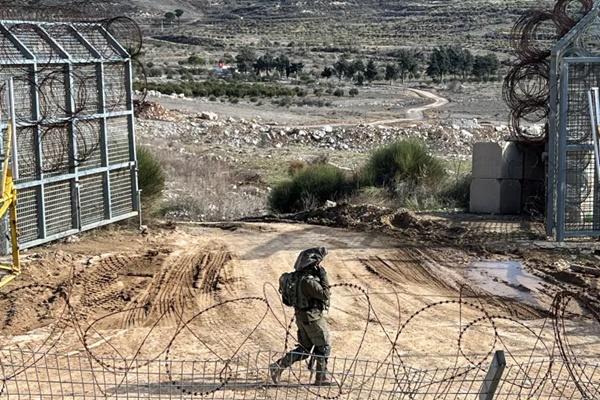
405, 161
339, 93
309, 187
457, 193
151, 177
353, 92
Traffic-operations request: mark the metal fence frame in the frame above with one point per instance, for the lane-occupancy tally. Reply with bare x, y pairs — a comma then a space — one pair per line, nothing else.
77, 177
566, 53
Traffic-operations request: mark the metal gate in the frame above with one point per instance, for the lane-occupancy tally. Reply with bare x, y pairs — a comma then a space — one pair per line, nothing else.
578, 198
573, 198
74, 159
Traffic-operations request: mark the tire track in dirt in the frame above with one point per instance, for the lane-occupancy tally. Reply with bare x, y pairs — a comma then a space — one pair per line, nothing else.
181, 282
407, 266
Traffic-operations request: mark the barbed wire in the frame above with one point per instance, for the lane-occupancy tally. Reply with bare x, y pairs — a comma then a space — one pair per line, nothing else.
565, 306
526, 86
57, 94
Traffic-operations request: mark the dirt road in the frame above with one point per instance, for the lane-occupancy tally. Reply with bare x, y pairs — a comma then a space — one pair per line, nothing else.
412, 114
124, 284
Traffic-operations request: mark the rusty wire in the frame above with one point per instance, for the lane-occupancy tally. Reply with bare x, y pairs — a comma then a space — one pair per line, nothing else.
526, 86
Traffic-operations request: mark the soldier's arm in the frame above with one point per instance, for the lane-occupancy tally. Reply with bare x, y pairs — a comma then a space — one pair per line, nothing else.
313, 289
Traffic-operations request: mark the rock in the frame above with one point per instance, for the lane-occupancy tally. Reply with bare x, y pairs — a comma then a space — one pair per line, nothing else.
72, 239
328, 128
330, 204
209, 116
466, 134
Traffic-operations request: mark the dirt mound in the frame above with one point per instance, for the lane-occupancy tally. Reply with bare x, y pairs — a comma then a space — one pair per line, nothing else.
373, 218
154, 111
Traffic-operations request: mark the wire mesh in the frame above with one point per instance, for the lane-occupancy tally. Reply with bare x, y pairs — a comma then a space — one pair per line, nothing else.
121, 195
92, 189
76, 376
74, 118
58, 202
28, 211
580, 180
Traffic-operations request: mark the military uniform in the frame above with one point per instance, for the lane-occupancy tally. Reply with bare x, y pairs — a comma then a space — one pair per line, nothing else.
313, 330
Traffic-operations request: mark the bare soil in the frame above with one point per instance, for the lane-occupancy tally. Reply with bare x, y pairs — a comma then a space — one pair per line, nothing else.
129, 293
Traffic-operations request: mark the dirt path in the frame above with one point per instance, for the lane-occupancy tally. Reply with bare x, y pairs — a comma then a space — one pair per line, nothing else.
412, 114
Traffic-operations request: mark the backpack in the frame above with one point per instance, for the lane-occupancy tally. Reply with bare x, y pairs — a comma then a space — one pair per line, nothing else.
290, 290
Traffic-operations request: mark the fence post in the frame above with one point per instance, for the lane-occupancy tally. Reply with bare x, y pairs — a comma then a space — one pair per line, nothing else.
493, 376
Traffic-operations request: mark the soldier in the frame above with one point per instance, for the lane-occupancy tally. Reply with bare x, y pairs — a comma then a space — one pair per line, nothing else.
310, 293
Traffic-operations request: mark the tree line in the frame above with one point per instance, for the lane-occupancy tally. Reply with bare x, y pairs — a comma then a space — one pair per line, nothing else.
247, 62
409, 64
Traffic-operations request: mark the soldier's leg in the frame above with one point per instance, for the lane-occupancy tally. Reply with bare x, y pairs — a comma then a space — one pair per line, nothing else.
302, 351
318, 332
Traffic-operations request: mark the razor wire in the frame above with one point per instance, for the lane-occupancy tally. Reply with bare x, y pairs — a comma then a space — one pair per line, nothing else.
549, 367
63, 80
526, 86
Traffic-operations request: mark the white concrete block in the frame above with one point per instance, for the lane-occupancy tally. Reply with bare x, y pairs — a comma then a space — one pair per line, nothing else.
495, 196
496, 161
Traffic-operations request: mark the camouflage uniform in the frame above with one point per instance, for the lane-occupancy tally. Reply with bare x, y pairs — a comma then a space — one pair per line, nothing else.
313, 330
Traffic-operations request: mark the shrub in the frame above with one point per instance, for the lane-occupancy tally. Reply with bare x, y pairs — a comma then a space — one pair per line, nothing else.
353, 92
457, 193
295, 166
403, 161
151, 177
309, 187
339, 93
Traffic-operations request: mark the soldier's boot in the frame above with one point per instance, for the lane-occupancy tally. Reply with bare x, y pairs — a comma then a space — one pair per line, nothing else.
322, 377
275, 371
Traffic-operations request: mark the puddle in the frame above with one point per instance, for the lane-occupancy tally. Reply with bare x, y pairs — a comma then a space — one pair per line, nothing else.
506, 279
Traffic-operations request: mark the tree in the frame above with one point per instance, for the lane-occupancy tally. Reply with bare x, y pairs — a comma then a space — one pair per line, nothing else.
359, 79
438, 64
371, 71
358, 66
484, 67
327, 72
408, 66
264, 63
295, 68
341, 67
245, 60
391, 73
178, 13
169, 17
282, 63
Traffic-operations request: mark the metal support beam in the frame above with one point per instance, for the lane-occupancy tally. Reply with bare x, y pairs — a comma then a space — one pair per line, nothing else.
39, 159
552, 143
104, 145
22, 48
85, 42
562, 153
135, 190
493, 376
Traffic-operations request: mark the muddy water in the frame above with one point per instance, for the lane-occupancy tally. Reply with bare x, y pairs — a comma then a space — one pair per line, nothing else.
506, 279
